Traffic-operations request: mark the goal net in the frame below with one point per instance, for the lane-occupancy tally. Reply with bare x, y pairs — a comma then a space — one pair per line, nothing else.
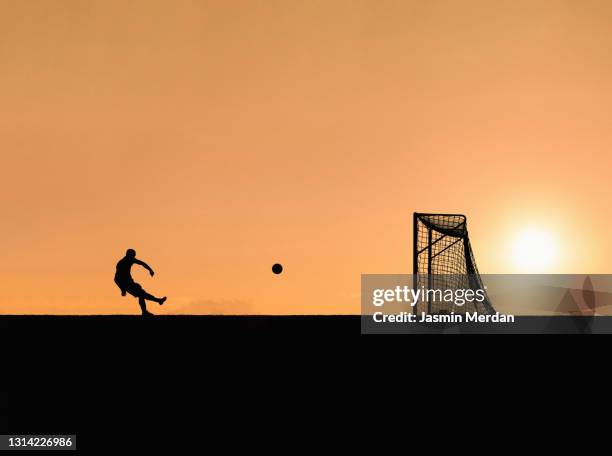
443, 260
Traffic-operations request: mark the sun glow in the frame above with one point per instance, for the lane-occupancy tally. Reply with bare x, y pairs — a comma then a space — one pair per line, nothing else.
535, 251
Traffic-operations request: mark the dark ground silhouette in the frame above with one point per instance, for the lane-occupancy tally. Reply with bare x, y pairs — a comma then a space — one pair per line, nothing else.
100, 377
92, 327
133, 383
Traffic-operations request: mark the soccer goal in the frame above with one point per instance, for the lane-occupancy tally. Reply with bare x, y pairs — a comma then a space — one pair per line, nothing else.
443, 260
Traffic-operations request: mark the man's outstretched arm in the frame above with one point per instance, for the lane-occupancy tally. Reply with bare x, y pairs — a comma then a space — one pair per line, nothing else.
144, 265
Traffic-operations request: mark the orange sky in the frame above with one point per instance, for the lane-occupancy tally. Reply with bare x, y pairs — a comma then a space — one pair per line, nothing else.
219, 137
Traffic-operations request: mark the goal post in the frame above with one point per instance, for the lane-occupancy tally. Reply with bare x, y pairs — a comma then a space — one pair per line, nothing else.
443, 259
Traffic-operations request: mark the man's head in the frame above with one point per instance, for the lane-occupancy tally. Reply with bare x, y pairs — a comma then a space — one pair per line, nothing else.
130, 253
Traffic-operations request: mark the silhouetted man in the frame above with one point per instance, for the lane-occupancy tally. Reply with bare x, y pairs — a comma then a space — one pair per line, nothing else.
124, 280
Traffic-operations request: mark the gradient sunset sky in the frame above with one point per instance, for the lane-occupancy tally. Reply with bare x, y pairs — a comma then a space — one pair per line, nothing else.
219, 137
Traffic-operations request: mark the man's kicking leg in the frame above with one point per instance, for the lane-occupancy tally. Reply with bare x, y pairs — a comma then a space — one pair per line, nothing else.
150, 297
144, 296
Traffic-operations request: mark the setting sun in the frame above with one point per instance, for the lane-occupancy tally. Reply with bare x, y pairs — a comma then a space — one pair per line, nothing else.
534, 251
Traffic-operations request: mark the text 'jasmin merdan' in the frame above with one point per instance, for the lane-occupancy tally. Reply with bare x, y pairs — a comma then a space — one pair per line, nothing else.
410, 295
